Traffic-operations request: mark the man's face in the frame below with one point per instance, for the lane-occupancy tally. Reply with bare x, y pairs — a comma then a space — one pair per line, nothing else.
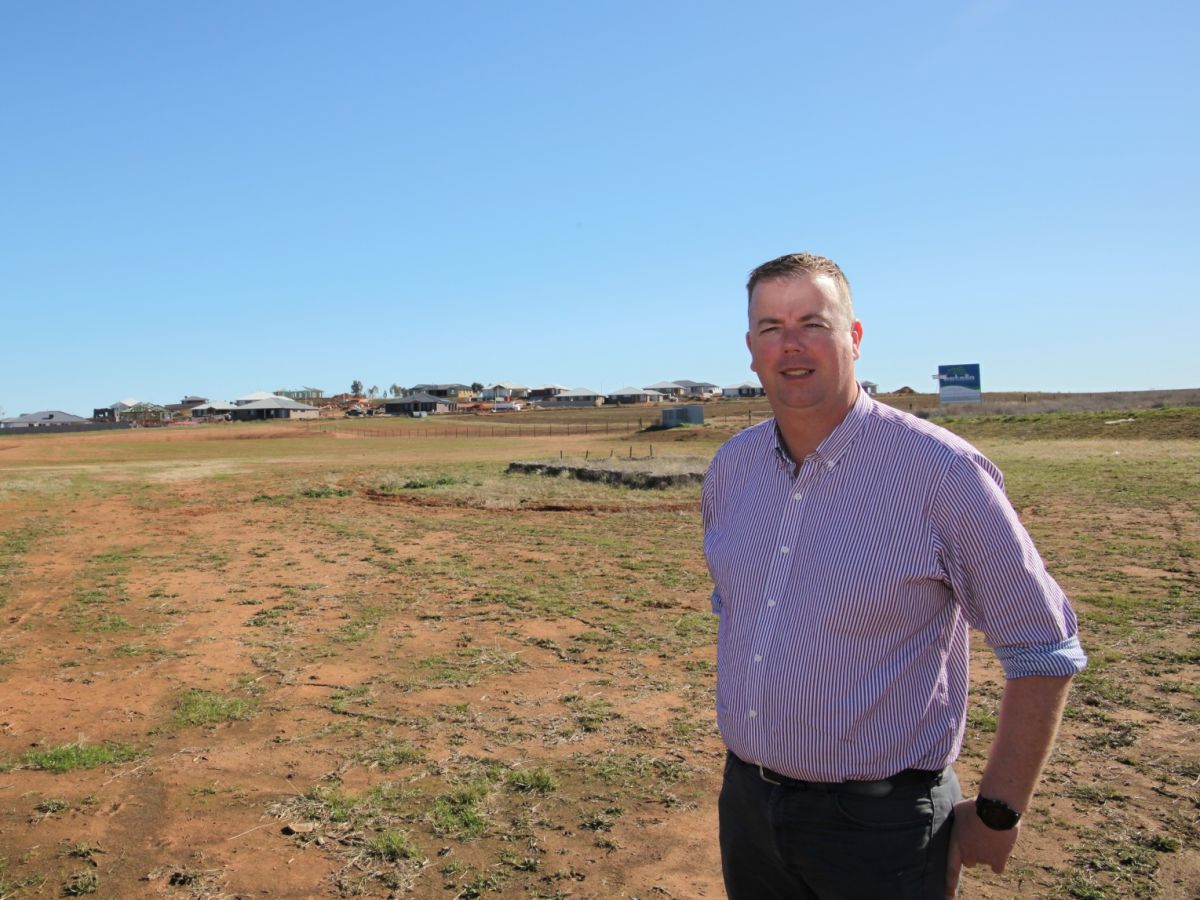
803, 345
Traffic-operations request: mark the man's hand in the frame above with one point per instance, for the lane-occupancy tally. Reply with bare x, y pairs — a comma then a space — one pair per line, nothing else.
972, 844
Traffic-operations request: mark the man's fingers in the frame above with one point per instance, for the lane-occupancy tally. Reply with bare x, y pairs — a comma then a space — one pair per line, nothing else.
952, 873
953, 868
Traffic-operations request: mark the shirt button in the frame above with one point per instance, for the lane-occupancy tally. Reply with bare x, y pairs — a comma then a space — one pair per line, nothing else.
770, 603
753, 713
797, 496
757, 657
783, 549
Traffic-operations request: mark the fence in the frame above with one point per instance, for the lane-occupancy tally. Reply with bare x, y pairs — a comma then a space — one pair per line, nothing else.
482, 431
75, 428
523, 430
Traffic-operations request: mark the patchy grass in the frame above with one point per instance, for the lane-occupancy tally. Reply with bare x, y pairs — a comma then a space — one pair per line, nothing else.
320, 492
459, 813
70, 757
503, 686
197, 707
393, 846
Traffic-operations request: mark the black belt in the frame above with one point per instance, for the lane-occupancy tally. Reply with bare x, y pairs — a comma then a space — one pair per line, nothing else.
880, 788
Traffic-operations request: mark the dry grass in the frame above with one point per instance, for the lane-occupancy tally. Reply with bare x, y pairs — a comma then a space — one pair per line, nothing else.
382, 667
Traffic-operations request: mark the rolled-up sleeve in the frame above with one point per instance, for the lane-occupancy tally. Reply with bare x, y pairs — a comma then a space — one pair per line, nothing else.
997, 575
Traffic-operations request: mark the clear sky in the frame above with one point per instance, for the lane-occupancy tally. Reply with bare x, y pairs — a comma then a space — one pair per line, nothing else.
218, 198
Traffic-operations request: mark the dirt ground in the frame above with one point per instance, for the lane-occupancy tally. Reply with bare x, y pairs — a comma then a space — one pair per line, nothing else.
312, 666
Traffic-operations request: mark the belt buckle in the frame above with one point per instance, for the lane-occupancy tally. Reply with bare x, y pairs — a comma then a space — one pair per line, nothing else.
763, 775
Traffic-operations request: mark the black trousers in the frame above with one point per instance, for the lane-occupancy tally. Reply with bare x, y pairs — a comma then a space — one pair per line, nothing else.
834, 842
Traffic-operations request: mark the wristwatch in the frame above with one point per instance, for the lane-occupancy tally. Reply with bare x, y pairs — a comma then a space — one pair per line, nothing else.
996, 814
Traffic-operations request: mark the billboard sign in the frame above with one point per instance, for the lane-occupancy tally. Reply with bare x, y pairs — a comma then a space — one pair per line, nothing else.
958, 384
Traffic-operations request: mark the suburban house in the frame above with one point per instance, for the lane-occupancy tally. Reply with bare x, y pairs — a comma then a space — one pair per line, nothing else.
667, 388
114, 411
635, 395
186, 404
579, 397
456, 392
699, 388
253, 397
216, 409
419, 403
745, 389
304, 394
46, 418
143, 413
870, 387
503, 390
547, 391
272, 407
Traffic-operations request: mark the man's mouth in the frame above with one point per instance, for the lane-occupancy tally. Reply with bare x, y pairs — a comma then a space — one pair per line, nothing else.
795, 373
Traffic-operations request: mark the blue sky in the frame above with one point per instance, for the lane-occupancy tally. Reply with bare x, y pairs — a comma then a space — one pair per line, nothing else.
226, 197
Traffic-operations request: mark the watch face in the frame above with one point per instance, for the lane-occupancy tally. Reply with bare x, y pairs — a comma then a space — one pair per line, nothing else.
996, 814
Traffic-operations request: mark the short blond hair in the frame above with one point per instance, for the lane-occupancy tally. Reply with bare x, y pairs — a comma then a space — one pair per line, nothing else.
797, 265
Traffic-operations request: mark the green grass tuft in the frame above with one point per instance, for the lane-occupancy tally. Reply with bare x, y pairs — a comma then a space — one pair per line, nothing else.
531, 781
392, 846
198, 707
69, 757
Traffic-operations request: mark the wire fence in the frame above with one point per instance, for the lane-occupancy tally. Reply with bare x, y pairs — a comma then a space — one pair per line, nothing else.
522, 430
484, 431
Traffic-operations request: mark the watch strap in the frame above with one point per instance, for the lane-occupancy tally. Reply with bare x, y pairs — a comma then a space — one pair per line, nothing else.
996, 814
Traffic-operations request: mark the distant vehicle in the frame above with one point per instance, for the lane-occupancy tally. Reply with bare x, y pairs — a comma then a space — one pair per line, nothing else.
354, 411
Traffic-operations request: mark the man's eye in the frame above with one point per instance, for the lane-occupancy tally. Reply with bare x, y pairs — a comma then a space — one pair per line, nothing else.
816, 325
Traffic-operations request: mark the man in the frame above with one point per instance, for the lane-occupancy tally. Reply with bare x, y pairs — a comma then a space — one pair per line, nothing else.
851, 545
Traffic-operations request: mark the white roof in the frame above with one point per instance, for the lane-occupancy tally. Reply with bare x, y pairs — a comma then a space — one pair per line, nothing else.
273, 402
664, 386
508, 386
257, 395
579, 392
45, 415
217, 405
744, 384
551, 387
629, 391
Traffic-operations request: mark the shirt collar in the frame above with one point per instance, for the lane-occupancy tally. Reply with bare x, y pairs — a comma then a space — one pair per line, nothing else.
830, 450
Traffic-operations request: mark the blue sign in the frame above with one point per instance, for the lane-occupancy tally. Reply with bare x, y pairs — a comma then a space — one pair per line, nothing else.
959, 384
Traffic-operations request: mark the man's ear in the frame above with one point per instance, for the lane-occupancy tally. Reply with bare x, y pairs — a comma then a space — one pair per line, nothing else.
855, 336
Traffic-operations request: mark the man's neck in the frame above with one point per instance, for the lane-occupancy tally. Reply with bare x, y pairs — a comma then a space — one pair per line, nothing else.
802, 433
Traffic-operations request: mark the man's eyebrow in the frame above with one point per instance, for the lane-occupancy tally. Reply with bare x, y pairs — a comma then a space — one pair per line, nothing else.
776, 320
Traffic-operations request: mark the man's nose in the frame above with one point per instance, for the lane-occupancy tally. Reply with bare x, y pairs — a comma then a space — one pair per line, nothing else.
793, 337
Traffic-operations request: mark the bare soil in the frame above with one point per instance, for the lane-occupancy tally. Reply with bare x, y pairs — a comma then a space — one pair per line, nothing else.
491, 687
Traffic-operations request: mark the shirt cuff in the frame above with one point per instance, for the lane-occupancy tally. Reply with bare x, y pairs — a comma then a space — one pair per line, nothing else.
1061, 659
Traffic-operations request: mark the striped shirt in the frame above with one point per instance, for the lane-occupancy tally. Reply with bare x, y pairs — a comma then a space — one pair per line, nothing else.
845, 593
